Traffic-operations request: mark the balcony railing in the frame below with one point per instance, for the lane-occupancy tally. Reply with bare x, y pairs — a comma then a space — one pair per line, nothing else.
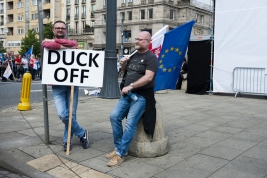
93, 1
123, 4
83, 1
130, 3
1, 11
92, 15
79, 31
76, 2
143, 2
1, 23
68, 2
150, 1
76, 16
83, 15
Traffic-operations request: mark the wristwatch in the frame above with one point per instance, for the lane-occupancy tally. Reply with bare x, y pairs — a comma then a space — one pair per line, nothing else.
132, 85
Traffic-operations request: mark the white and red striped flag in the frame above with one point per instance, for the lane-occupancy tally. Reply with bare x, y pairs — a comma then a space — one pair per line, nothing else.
157, 41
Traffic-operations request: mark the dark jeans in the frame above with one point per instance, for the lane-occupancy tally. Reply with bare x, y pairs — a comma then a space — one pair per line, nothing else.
32, 71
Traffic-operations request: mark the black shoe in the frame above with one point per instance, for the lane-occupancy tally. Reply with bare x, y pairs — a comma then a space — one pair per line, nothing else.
65, 146
84, 140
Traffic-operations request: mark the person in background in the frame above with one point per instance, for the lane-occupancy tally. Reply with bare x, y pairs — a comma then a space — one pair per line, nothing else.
137, 98
18, 63
25, 63
182, 71
4, 66
38, 73
32, 65
61, 93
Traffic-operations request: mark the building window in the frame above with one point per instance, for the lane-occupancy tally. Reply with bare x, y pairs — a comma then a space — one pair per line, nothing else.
34, 2
142, 14
105, 3
123, 1
83, 11
122, 16
36, 29
104, 18
76, 16
93, 7
150, 13
20, 31
127, 36
130, 0
20, 4
130, 15
20, 17
199, 19
172, 14
92, 23
76, 27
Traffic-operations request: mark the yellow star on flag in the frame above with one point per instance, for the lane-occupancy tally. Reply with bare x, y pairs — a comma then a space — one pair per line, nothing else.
172, 48
162, 56
177, 49
180, 53
161, 66
166, 51
169, 70
160, 61
164, 70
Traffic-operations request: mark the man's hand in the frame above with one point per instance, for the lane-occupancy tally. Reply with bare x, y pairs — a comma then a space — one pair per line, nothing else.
124, 60
125, 90
48, 40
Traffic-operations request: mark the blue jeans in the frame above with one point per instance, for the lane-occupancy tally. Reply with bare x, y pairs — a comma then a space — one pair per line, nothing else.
61, 96
134, 110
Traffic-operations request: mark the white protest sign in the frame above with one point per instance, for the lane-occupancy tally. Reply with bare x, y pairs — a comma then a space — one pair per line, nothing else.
73, 67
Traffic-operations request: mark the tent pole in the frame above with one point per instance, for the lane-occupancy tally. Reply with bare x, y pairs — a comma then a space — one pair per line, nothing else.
212, 50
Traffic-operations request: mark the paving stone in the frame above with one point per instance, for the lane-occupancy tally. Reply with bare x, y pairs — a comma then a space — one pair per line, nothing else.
232, 173
248, 136
213, 135
205, 163
249, 165
45, 163
227, 130
181, 171
37, 151
236, 144
258, 152
61, 172
135, 170
164, 162
222, 152
93, 173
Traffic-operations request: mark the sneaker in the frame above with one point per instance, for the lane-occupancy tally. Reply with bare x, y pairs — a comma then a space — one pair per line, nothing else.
65, 146
115, 161
84, 140
112, 154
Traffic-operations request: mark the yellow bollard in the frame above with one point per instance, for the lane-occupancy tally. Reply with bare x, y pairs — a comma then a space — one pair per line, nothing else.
25, 104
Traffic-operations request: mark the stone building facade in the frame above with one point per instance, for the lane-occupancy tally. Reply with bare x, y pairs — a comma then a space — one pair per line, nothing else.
149, 15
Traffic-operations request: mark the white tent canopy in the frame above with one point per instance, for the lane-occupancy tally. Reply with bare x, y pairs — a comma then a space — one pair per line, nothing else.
240, 40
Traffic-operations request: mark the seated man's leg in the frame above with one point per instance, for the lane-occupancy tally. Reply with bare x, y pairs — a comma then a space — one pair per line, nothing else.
116, 117
137, 109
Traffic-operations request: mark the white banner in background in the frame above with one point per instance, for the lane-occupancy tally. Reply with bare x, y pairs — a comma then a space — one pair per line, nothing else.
73, 67
239, 40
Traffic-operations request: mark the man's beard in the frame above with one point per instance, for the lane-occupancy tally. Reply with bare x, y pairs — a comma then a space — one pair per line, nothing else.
60, 36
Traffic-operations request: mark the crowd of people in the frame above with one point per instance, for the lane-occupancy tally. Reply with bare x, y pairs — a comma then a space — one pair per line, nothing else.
19, 65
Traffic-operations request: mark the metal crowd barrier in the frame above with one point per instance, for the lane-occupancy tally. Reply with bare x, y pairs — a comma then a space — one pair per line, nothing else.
249, 80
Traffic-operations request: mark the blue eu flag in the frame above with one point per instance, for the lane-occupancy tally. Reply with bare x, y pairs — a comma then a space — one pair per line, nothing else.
28, 52
172, 55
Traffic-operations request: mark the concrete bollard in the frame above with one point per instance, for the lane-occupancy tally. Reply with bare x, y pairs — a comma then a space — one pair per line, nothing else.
142, 146
25, 104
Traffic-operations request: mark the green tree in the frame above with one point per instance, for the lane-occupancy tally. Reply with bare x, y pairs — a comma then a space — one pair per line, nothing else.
2, 49
48, 33
30, 39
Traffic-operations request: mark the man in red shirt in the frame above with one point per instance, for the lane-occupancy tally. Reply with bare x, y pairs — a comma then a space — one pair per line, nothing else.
61, 93
19, 63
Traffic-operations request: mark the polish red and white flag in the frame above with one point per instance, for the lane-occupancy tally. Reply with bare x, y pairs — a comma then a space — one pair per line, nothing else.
157, 40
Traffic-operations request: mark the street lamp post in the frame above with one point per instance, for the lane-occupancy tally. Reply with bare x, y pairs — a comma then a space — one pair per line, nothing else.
110, 87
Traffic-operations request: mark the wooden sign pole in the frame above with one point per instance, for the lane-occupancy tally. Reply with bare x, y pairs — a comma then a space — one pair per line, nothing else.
70, 120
